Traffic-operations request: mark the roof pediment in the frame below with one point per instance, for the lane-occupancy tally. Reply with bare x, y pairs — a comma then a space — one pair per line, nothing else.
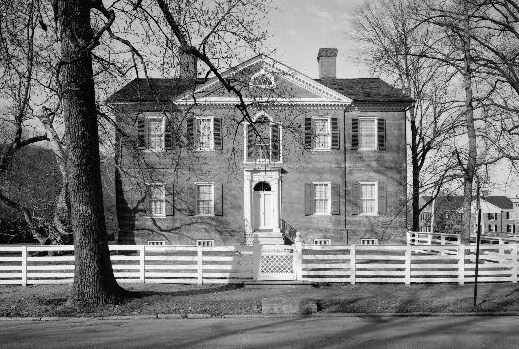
265, 80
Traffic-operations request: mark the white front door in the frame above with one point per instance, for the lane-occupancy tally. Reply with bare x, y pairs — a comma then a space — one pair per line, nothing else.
263, 210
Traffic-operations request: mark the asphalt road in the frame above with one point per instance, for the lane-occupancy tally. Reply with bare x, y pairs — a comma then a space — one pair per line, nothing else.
311, 332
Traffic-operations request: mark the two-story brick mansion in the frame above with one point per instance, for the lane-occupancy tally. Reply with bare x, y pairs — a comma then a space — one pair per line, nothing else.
325, 157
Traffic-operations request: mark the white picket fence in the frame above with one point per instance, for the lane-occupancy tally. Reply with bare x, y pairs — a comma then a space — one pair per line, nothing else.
353, 264
409, 264
131, 263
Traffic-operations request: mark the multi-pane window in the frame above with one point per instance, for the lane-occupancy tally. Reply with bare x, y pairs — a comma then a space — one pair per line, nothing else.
492, 216
205, 133
510, 228
322, 133
368, 198
204, 199
492, 227
157, 199
321, 198
155, 133
368, 134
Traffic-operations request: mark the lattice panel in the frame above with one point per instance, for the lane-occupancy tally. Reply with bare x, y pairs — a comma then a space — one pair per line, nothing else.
277, 264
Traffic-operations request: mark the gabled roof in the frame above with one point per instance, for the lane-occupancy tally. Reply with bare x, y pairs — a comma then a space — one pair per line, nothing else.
167, 90
456, 201
366, 90
153, 90
502, 202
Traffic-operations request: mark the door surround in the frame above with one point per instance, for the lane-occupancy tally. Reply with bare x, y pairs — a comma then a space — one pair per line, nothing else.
253, 177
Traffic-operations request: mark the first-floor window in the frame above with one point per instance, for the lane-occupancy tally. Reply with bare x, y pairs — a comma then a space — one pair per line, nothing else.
492, 227
204, 199
368, 198
157, 199
510, 228
321, 198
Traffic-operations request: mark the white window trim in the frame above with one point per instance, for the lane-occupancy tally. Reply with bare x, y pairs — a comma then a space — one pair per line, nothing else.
329, 190
376, 198
329, 121
376, 133
196, 199
211, 147
147, 118
162, 215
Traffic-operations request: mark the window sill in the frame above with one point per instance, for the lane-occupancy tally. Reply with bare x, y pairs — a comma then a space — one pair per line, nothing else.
156, 216
205, 215
321, 214
368, 214
368, 149
324, 149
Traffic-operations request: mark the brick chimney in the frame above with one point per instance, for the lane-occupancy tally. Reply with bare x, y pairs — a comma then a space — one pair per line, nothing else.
187, 66
327, 58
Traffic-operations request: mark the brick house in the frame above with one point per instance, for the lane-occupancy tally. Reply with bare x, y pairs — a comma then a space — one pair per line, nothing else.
325, 157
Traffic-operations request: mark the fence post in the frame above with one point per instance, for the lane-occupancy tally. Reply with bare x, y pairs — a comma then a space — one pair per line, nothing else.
298, 258
200, 267
429, 238
24, 266
408, 265
142, 265
461, 264
513, 254
256, 257
353, 262
442, 239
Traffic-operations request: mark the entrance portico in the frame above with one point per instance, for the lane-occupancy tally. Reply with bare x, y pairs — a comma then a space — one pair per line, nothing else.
262, 203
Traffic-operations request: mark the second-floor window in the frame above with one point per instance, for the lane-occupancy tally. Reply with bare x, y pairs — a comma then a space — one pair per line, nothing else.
263, 141
368, 133
204, 133
492, 216
153, 132
321, 133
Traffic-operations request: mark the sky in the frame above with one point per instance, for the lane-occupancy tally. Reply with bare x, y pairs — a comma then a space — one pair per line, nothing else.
300, 27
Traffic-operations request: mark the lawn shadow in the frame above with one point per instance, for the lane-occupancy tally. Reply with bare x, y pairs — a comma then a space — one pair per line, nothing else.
190, 292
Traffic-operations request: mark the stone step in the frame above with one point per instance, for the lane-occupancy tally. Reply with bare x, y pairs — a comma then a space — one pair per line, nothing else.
267, 284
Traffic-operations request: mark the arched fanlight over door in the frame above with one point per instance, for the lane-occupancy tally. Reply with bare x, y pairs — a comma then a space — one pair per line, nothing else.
262, 186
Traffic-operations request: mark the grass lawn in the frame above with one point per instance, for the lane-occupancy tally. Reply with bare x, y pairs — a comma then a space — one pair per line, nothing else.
218, 300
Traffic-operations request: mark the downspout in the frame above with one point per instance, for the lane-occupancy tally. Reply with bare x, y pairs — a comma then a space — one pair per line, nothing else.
345, 176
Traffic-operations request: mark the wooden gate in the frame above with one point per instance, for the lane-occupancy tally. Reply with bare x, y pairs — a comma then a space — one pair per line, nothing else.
276, 262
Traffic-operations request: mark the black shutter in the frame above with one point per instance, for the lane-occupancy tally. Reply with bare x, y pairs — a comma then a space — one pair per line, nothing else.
336, 199
191, 201
217, 133
309, 135
168, 134
218, 199
191, 133
336, 142
381, 132
309, 199
170, 199
355, 198
275, 143
147, 200
382, 198
141, 132
251, 144
354, 134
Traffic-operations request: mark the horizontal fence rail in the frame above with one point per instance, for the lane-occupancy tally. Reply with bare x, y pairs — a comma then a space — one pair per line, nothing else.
29, 265
24, 265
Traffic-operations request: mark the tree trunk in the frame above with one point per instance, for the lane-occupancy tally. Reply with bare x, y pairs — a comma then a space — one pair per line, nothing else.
94, 281
470, 168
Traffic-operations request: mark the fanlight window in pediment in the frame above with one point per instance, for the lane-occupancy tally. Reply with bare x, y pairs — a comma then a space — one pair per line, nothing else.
263, 79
